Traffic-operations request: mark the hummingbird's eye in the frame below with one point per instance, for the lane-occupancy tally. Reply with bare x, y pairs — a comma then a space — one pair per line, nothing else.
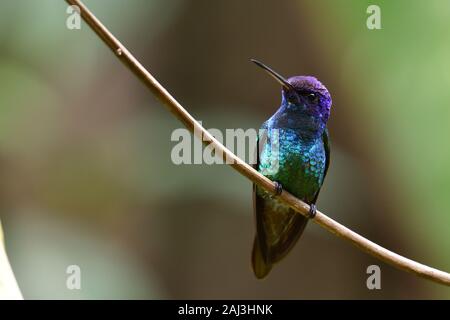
312, 98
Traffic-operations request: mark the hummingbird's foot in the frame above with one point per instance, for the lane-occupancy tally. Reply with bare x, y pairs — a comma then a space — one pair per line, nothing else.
312, 211
278, 188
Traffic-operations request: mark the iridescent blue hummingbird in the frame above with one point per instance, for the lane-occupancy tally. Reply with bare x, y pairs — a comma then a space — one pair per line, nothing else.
294, 152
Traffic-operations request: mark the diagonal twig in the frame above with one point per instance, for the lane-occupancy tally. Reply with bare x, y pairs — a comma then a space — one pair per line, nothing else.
246, 170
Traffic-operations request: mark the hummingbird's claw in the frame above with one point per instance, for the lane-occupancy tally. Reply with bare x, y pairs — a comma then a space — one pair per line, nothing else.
278, 188
312, 211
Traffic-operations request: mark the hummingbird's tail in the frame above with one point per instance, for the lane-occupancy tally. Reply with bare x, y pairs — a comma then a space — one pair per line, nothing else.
260, 267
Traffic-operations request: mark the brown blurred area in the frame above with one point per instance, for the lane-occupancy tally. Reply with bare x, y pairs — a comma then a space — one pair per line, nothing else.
86, 173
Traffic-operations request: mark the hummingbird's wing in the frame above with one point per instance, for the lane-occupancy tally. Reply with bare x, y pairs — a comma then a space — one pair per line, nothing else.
278, 228
260, 264
326, 144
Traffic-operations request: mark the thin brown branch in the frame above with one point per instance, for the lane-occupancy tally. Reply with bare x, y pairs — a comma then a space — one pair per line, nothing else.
178, 111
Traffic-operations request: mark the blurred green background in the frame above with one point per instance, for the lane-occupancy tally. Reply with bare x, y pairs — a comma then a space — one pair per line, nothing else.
86, 174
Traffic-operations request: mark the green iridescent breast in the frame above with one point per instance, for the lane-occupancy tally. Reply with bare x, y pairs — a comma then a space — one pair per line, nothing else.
297, 164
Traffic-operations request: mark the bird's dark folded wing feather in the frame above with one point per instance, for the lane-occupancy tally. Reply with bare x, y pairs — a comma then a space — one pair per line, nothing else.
276, 232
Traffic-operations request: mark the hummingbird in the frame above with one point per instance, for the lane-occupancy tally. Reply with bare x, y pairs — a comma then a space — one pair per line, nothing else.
294, 152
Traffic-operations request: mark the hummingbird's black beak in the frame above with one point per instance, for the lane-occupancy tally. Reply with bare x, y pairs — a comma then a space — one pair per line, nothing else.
274, 74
